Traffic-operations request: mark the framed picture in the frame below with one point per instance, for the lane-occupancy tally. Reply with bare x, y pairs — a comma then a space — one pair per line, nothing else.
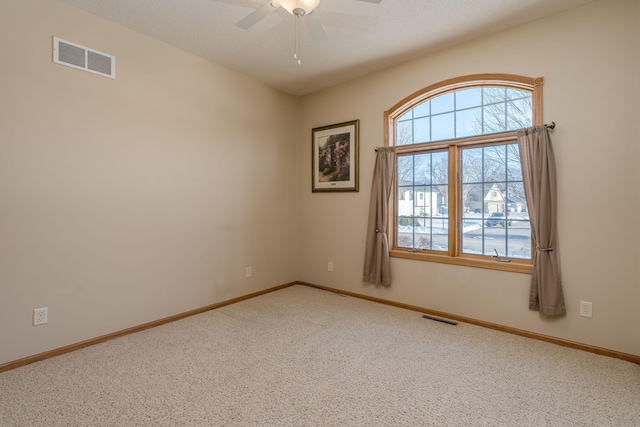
334, 157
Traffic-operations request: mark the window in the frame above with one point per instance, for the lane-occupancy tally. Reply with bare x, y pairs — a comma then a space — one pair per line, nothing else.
457, 151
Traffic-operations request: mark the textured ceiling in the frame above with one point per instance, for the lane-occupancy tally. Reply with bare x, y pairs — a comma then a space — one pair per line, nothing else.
362, 37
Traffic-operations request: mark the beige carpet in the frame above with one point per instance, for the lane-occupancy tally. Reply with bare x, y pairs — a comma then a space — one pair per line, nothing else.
305, 357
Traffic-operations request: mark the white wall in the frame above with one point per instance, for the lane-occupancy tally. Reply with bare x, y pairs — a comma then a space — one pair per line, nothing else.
589, 58
125, 201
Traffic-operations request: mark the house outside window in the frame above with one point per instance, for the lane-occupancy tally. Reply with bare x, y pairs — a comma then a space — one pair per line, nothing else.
456, 149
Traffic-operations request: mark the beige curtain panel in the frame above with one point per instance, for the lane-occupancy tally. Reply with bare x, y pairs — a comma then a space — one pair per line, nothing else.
377, 265
539, 176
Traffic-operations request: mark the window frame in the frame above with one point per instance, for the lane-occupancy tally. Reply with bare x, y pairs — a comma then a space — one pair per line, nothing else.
453, 146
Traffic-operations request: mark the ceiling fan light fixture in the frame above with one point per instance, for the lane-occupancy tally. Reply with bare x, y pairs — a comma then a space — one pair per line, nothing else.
297, 7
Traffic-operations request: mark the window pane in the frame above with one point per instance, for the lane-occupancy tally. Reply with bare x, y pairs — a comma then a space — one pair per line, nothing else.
472, 236
440, 201
421, 201
405, 202
494, 212
422, 207
519, 240
516, 202
514, 167
467, 98
421, 130
406, 116
440, 168
494, 118
423, 234
472, 222
442, 127
519, 114
465, 113
516, 93
422, 109
440, 233
494, 199
422, 169
495, 240
442, 103
492, 95
432, 231
405, 170
472, 201
404, 236
495, 163
404, 133
472, 165
468, 122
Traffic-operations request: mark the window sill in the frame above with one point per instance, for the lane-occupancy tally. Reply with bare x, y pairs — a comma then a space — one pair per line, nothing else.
513, 266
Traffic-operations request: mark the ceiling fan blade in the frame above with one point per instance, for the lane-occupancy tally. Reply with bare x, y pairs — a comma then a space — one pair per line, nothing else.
371, 1
255, 16
316, 27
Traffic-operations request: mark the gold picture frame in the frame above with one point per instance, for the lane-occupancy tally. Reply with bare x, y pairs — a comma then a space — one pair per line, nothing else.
335, 157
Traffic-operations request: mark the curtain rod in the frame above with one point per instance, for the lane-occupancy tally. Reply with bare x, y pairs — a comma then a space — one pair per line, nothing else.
551, 125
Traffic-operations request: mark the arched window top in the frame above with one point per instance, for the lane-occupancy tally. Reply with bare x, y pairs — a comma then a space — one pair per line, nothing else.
466, 107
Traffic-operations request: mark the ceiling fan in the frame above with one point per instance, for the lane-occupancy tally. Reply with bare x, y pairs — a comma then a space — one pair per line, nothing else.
297, 8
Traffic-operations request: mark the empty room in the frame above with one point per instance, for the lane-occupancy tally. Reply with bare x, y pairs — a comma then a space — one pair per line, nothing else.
319, 213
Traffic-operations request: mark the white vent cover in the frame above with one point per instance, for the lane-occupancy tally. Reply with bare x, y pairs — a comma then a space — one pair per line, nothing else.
83, 58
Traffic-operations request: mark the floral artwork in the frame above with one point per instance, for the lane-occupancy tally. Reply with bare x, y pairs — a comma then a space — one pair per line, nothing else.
335, 157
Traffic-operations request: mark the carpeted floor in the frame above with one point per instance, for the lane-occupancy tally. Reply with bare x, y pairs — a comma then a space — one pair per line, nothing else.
305, 357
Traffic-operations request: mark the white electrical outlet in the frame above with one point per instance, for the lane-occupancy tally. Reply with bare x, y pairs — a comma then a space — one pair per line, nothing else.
248, 272
330, 266
586, 309
40, 316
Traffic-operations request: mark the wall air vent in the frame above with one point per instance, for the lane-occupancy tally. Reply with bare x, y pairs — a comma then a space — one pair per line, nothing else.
83, 58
